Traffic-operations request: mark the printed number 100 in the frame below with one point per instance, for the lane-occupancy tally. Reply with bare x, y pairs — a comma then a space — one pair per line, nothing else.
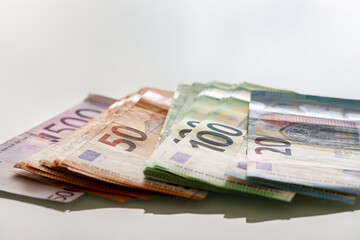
221, 133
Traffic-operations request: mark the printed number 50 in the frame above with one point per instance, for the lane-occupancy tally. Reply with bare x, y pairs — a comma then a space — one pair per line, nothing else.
125, 138
61, 196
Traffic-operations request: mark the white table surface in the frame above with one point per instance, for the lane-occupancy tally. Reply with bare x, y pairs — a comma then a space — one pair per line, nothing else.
53, 53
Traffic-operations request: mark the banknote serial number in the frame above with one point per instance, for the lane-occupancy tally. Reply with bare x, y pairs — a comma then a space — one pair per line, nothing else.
276, 145
124, 138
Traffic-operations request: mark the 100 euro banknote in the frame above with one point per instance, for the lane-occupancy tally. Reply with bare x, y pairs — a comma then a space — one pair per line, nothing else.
195, 155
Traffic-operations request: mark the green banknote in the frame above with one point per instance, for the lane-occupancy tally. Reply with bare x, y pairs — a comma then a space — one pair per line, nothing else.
191, 103
304, 140
201, 157
237, 165
193, 110
183, 97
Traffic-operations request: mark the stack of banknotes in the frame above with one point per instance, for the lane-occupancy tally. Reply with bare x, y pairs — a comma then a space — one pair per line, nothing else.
240, 139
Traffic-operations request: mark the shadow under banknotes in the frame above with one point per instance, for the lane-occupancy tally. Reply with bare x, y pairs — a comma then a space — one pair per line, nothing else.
254, 209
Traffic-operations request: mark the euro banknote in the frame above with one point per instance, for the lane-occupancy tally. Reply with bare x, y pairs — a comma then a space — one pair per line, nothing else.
183, 97
198, 107
74, 181
305, 140
237, 168
59, 184
237, 164
203, 154
114, 145
69, 180
38, 138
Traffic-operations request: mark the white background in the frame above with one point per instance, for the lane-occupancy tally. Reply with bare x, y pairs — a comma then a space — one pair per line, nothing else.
53, 53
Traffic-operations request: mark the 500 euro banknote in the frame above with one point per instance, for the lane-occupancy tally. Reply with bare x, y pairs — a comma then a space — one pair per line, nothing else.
38, 138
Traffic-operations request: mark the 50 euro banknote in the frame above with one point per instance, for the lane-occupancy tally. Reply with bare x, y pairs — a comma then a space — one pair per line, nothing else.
113, 146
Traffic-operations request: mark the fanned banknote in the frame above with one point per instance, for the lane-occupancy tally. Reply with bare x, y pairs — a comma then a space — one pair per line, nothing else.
305, 140
61, 194
191, 105
73, 181
196, 109
205, 152
113, 147
69, 180
46, 134
202, 105
296, 143
183, 103
183, 97
238, 165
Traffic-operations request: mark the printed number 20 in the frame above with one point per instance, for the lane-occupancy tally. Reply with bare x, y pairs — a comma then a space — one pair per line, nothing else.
274, 142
